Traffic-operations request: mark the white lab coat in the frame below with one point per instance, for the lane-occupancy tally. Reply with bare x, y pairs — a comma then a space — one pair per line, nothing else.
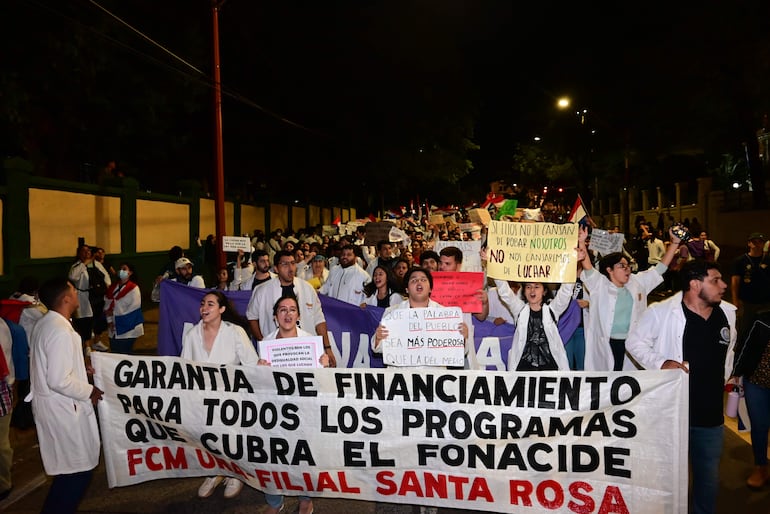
551, 312
598, 319
346, 284
657, 337
65, 418
231, 346
265, 295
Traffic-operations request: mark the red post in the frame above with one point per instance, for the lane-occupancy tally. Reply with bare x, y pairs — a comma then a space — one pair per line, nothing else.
219, 190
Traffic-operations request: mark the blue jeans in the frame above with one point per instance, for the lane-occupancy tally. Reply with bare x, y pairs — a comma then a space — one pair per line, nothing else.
705, 454
758, 405
276, 500
576, 350
125, 346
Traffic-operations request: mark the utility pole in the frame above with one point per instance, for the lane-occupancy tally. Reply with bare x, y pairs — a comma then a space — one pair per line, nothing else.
219, 172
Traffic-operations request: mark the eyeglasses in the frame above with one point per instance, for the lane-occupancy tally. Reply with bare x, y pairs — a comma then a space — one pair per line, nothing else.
622, 265
287, 310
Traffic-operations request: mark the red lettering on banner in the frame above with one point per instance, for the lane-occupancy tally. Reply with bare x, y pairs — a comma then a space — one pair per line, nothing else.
156, 459
588, 504
324, 481
613, 501
208, 461
558, 494
550, 495
429, 485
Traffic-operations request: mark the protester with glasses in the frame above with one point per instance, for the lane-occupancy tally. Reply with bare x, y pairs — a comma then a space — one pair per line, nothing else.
618, 299
286, 315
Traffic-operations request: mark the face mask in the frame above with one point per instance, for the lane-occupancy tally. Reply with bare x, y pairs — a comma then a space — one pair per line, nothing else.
123, 274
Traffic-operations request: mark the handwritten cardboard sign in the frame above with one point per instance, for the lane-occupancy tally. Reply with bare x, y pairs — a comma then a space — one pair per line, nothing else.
532, 252
603, 242
292, 352
377, 231
458, 288
423, 337
481, 216
235, 243
471, 253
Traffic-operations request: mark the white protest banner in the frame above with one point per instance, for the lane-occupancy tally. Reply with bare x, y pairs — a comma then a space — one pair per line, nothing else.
603, 242
235, 243
497, 442
426, 336
292, 352
471, 253
532, 252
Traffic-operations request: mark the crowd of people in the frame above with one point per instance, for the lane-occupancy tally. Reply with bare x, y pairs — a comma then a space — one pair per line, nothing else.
693, 330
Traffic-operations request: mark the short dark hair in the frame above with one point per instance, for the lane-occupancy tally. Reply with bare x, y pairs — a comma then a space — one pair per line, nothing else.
429, 254
415, 269
279, 254
609, 261
696, 269
454, 252
380, 244
52, 291
256, 254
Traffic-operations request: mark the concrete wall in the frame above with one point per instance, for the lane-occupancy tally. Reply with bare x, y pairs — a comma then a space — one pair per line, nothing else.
58, 218
161, 225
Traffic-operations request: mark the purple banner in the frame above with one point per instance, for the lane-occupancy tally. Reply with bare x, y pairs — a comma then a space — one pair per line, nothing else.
350, 327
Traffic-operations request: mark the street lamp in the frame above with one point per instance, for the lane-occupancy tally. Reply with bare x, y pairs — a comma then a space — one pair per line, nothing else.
563, 102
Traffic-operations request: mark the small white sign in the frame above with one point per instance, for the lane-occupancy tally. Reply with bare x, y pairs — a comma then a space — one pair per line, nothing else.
423, 337
235, 243
471, 253
293, 352
603, 242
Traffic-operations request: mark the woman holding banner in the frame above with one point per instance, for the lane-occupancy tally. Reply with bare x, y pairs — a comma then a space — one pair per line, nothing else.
218, 338
419, 283
286, 316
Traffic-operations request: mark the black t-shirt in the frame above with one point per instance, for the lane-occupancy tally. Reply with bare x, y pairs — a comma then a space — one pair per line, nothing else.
383, 302
258, 281
288, 290
754, 273
536, 355
705, 343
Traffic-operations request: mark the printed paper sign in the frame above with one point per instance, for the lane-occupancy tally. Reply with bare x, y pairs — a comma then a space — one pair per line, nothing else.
457, 289
532, 252
603, 242
423, 337
235, 243
292, 352
518, 443
471, 253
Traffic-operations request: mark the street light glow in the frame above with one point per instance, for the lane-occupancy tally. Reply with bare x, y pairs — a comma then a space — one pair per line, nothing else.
536, 138
563, 102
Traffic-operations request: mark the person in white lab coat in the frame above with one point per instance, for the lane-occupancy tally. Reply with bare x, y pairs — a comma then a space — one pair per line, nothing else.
63, 400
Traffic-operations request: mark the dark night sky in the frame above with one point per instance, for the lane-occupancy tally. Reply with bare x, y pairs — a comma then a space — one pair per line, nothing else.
358, 72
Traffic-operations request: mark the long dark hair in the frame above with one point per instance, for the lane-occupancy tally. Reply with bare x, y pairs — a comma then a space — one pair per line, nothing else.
394, 284
230, 315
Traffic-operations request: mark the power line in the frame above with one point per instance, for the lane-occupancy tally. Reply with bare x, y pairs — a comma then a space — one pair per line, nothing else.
199, 76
